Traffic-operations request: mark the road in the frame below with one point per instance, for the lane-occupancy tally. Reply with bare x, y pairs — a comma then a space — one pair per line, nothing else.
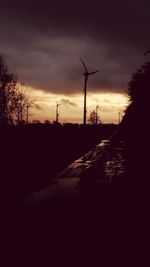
84, 186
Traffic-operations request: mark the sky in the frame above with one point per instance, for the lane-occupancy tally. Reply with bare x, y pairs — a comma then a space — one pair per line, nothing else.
42, 42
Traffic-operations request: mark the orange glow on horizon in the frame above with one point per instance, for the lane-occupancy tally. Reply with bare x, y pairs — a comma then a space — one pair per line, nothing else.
71, 109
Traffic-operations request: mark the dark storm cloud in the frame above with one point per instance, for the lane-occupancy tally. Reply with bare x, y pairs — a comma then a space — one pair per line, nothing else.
43, 41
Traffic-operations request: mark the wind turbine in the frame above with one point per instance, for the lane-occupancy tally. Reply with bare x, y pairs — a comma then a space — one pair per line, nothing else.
86, 75
57, 112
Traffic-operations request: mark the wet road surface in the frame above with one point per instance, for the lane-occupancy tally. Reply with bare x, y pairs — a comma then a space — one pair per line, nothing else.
84, 186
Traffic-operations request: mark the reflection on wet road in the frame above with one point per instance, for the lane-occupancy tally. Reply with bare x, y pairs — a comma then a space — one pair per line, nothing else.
97, 167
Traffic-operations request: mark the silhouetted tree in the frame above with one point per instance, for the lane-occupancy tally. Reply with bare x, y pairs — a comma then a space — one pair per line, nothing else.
22, 102
47, 122
136, 114
135, 126
14, 103
94, 118
36, 121
7, 92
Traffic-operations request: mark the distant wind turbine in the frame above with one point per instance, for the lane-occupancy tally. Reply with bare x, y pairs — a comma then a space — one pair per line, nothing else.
57, 112
86, 75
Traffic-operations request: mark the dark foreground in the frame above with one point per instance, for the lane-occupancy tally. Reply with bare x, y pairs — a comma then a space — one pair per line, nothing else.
87, 210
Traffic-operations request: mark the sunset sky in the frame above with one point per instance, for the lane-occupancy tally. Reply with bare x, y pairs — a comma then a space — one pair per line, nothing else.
42, 42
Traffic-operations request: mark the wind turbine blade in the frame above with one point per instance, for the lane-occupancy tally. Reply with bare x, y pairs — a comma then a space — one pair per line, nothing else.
84, 64
99, 107
147, 52
90, 73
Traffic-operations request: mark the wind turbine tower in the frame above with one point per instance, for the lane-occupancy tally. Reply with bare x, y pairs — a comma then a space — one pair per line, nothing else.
57, 112
86, 76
